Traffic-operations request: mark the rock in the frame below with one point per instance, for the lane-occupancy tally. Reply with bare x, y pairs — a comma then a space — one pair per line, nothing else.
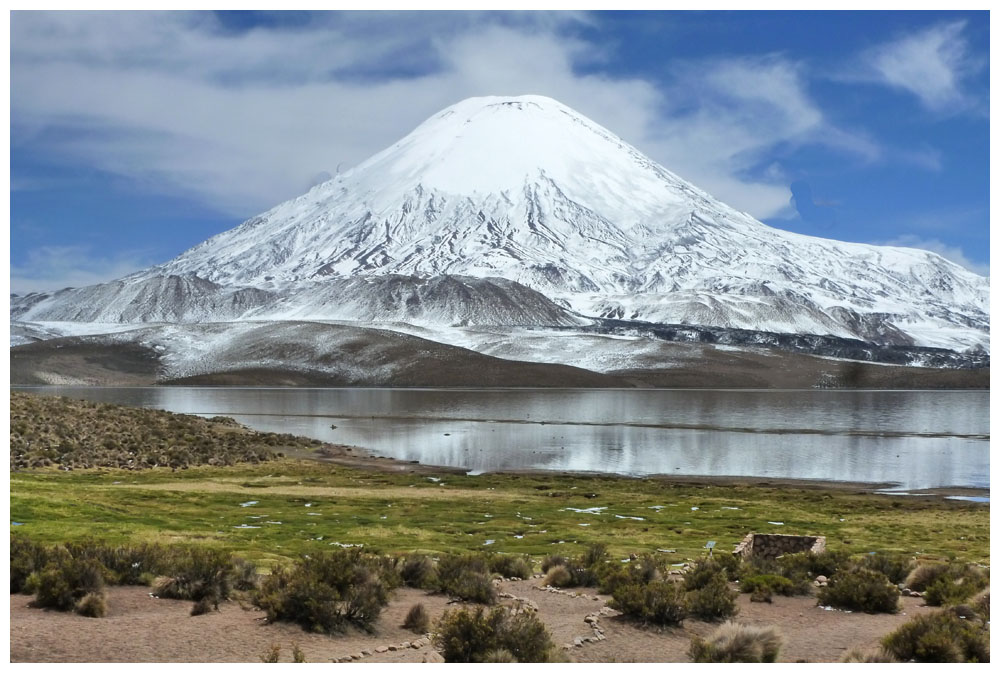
381, 648
404, 646
416, 644
355, 656
366, 653
578, 642
822, 578
433, 657
590, 619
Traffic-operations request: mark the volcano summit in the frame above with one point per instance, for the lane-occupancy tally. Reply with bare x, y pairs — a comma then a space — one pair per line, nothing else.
519, 211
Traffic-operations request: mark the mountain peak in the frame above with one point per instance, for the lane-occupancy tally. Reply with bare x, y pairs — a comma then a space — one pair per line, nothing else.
497, 144
527, 189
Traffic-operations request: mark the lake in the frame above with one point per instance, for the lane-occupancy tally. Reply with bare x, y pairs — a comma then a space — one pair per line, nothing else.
913, 439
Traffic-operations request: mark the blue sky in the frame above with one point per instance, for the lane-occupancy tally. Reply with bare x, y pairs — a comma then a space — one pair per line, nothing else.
135, 136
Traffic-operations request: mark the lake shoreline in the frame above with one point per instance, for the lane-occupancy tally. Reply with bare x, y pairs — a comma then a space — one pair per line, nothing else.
356, 457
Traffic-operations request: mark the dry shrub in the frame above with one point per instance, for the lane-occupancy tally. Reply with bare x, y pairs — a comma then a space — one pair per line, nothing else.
499, 657
506, 565
417, 619
859, 656
271, 654
940, 637
418, 571
896, 567
558, 576
661, 603
466, 577
62, 583
981, 604
925, 573
774, 584
761, 594
553, 560
737, 643
298, 656
958, 583
92, 605
861, 589
472, 635
204, 606
714, 601
326, 592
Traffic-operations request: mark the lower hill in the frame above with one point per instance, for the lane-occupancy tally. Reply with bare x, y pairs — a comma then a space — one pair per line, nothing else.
301, 353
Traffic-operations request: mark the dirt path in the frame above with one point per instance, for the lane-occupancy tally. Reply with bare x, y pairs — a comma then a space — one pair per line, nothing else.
139, 628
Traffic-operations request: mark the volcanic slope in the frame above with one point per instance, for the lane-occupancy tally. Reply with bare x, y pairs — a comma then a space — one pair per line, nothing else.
526, 189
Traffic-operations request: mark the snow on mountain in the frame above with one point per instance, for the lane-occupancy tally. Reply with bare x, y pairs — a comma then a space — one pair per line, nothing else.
526, 189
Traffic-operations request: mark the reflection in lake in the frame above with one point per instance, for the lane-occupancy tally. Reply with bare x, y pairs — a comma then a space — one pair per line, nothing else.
916, 439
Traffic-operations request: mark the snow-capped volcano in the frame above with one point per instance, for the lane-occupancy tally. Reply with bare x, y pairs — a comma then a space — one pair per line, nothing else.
526, 189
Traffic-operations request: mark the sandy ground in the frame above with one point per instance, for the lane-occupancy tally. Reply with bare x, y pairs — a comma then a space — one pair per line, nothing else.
139, 628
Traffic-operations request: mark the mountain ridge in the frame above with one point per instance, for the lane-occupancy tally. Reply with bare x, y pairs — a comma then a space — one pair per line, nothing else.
526, 189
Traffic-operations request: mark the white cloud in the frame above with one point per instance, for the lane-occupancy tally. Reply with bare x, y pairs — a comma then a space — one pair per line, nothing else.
54, 267
950, 252
244, 120
932, 64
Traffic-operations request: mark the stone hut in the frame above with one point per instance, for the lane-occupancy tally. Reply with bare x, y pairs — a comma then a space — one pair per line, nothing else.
766, 545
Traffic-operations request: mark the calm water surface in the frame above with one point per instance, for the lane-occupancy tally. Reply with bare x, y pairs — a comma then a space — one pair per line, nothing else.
915, 439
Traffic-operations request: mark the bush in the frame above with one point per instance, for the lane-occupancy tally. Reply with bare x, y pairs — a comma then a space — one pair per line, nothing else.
553, 560
940, 637
558, 576
860, 589
661, 603
26, 557
326, 592
499, 657
925, 573
506, 565
805, 565
641, 571
896, 567
774, 584
298, 656
92, 605
466, 577
737, 643
418, 571
713, 601
955, 585
472, 636
702, 573
761, 594
62, 584
858, 656
204, 606
417, 619
271, 654
198, 574
981, 604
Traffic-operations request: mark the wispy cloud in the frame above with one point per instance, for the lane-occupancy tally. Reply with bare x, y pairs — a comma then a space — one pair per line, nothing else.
950, 252
932, 64
242, 120
53, 267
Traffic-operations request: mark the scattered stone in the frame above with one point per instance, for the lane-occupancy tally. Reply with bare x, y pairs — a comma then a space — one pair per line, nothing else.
381, 648
578, 642
366, 653
821, 578
433, 657
393, 648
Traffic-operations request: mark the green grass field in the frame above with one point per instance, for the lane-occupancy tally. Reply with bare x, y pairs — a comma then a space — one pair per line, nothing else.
303, 505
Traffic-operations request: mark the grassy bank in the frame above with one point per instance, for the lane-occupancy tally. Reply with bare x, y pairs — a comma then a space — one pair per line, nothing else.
302, 505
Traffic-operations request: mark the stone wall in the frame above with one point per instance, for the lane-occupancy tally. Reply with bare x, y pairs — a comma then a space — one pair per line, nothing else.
766, 545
